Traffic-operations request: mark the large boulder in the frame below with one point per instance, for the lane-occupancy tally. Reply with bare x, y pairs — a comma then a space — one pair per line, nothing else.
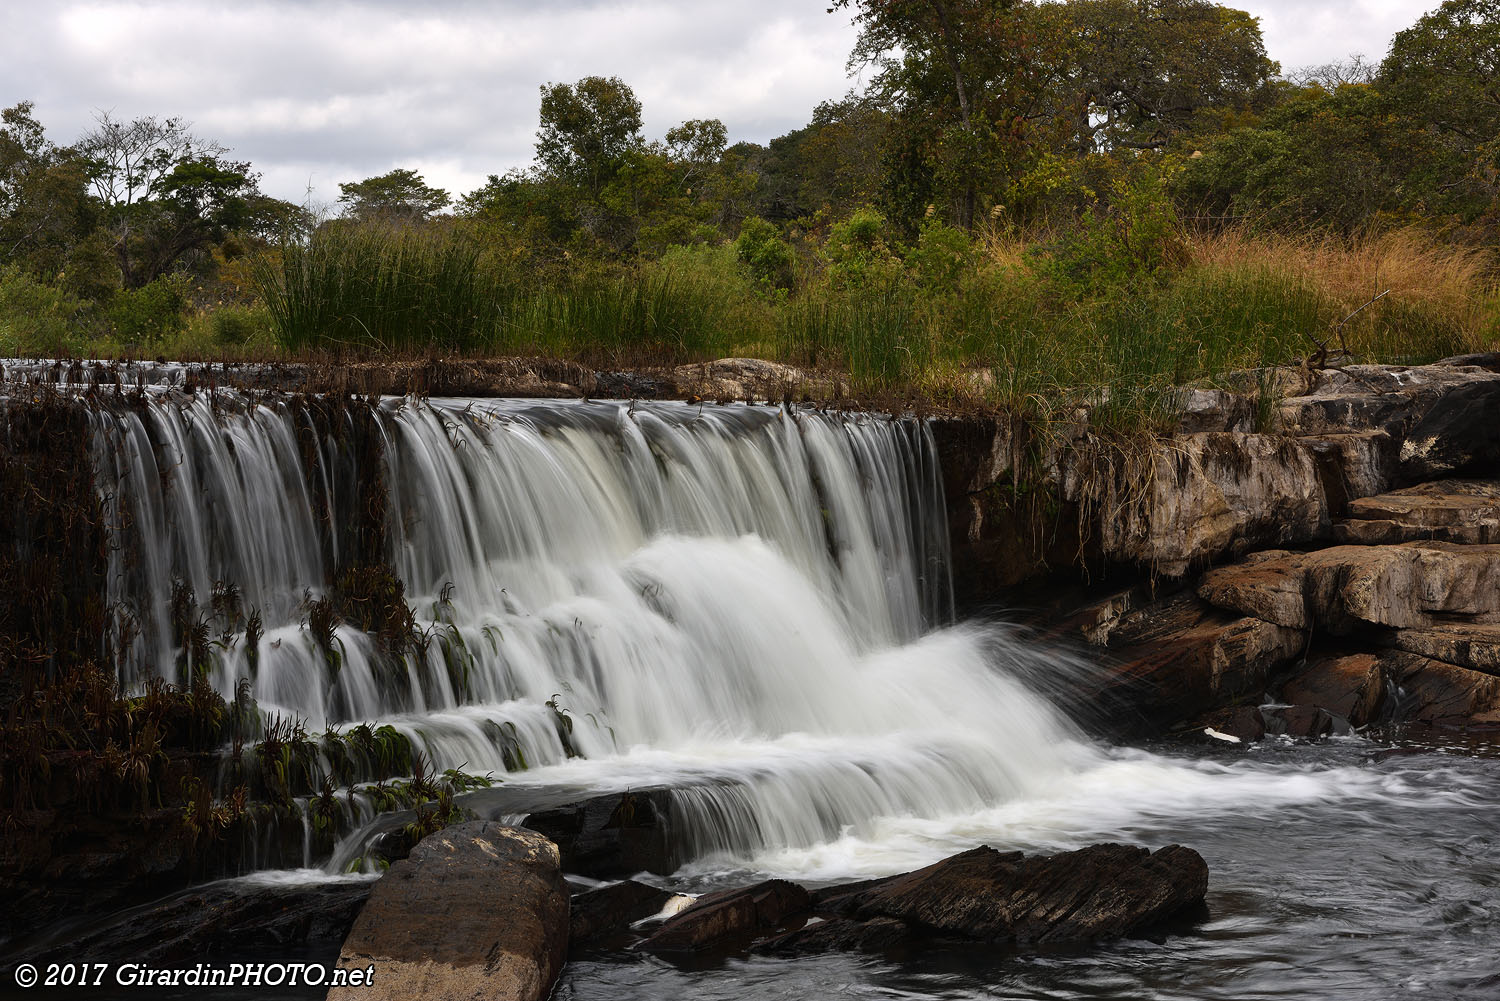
478, 910
1097, 893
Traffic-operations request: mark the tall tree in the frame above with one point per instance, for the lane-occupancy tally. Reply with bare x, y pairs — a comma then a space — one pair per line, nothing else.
961, 76
1444, 72
1135, 72
400, 195
588, 130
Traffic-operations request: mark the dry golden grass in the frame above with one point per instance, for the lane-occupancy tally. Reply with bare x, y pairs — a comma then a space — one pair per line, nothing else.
1426, 280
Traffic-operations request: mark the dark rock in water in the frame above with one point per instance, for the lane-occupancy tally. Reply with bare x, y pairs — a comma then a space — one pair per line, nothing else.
1303, 722
227, 918
478, 910
610, 910
1352, 687
1100, 892
732, 918
1243, 723
610, 836
840, 935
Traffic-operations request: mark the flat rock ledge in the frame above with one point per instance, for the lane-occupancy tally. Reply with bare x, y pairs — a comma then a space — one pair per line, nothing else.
478, 910
982, 896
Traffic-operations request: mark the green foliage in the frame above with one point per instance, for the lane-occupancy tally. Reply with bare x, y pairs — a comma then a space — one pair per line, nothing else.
38, 319
942, 258
858, 254
761, 249
400, 195
1130, 238
153, 311
378, 286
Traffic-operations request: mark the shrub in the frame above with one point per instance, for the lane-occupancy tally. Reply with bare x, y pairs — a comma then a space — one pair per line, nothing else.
152, 311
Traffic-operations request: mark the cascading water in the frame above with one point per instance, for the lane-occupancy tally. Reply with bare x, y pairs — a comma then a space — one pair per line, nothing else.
731, 601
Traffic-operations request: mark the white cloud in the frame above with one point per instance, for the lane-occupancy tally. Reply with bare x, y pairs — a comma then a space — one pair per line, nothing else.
339, 91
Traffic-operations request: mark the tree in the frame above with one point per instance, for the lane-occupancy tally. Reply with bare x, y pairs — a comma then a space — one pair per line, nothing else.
588, 131
1134, 73
149, 175
961, 77
400, 195
47, 220
1444, 72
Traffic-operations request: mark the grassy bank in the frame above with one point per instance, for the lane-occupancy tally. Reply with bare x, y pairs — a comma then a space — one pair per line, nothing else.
1111, 311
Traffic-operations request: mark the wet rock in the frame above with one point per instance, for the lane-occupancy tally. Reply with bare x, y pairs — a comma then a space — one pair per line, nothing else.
1430, 689
1244, 723
732, 918
1463, 511
840, 935
610, 910
1101, 892
610, 836
1301, 722
219, 919
1193, 661
1352, 687
1474, 646
479, 910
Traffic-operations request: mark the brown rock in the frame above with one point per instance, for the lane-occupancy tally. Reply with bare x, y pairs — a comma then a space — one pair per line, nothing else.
1100, 892
731, 918
1197, 664
1302, 722
478, 910
1432, 690
1461, 511
1346, 588
1352, 687
1476, 647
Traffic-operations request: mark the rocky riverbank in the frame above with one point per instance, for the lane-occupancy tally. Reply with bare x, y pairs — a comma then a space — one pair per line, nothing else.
1340, 559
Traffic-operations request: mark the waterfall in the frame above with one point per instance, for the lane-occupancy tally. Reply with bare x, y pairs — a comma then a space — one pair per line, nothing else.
746, 604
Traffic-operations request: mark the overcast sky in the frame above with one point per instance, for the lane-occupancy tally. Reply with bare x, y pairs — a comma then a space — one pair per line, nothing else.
315, 93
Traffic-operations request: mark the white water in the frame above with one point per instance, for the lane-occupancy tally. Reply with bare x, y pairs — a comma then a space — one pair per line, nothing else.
745, 605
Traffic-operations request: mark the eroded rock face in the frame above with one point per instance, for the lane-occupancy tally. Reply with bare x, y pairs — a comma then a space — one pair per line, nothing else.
752, 379
478, 911
1182, 659
1463, 511
1344, 588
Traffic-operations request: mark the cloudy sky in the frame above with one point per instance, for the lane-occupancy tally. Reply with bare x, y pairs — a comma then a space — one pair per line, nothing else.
314, 93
